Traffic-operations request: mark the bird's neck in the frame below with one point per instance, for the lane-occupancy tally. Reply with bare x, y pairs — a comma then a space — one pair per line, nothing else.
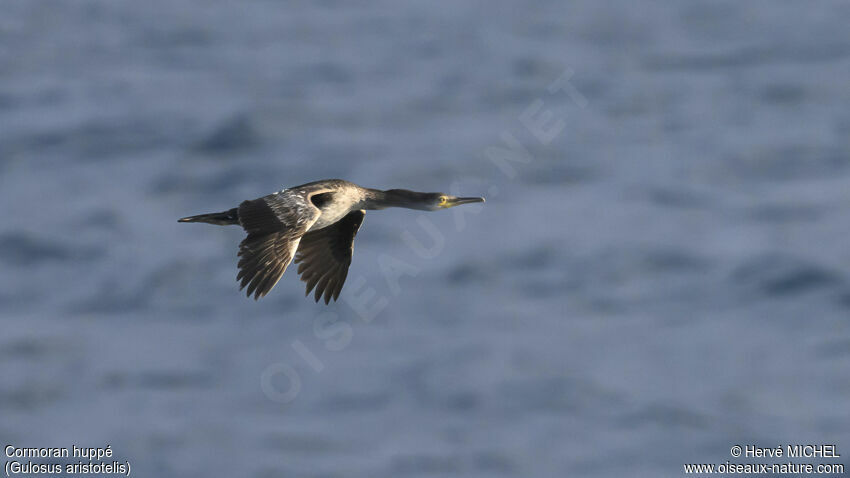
380, 199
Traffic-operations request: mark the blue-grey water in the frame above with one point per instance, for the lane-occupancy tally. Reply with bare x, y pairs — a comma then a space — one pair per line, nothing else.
659, 273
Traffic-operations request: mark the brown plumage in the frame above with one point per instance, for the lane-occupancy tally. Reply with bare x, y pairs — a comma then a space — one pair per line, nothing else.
324, 256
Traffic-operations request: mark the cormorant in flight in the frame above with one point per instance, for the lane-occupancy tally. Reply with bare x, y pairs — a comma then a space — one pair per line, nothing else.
315, 224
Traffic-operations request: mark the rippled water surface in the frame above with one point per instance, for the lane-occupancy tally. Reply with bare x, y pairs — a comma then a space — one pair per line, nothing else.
666, 276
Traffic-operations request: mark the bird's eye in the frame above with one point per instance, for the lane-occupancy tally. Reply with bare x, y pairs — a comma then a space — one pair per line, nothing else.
443, 199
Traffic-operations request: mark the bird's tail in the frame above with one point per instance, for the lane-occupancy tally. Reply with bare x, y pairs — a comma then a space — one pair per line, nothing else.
225, 218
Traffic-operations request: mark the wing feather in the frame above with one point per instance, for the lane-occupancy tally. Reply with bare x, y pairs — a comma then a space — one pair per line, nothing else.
324, 256
275, 225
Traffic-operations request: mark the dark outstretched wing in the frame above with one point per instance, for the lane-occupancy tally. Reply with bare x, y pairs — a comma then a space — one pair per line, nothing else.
324, 256
274, 225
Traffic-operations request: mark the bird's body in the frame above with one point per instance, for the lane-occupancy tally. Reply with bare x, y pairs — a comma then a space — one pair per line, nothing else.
343, 198
313, 225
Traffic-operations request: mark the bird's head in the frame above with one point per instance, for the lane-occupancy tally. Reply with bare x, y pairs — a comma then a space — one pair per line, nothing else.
445, 201
427, 201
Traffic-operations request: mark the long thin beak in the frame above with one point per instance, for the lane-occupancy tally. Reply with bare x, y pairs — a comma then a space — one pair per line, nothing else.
458, 201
